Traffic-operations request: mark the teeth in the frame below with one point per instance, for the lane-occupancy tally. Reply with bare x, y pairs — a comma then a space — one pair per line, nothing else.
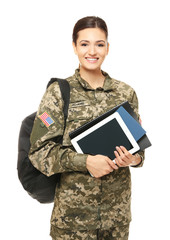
92, 59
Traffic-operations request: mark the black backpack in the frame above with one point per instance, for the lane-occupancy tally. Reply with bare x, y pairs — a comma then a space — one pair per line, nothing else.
39, 186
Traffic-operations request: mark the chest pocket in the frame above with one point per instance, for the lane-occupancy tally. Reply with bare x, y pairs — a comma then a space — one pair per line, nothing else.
79, 113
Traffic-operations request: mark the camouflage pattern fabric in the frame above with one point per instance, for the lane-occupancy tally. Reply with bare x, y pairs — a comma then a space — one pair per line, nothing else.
117, 233
81, 201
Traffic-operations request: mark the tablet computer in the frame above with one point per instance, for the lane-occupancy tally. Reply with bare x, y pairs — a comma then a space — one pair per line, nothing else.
103, 137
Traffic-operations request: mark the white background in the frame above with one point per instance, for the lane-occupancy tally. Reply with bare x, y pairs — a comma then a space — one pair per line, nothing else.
35, 45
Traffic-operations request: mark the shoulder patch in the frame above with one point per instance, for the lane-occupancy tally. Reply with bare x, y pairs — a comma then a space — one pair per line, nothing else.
46, 119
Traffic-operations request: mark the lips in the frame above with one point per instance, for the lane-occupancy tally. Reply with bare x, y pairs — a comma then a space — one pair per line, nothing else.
91, 60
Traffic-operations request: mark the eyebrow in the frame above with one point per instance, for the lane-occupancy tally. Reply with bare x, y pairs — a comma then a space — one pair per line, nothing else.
89, 41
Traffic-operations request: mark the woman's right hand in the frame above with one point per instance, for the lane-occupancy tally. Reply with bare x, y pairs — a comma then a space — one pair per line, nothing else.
100, 165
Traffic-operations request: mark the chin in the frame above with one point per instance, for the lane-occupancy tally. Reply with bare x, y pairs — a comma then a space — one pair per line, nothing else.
91, 68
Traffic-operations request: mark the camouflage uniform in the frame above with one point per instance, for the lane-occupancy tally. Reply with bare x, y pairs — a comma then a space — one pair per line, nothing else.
117, 233
81, 202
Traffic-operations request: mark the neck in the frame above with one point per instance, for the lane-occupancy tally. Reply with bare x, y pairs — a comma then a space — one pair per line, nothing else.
94, 78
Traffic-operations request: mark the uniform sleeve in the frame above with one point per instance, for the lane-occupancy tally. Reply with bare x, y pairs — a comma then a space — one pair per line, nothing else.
46, 153
134, 103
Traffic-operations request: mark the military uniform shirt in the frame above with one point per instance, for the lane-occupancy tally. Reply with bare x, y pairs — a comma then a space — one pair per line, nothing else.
81, 201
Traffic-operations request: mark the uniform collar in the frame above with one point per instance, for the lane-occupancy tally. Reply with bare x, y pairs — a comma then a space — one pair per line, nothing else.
109, 83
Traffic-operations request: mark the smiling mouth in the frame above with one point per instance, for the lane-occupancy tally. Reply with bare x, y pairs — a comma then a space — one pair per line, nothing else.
91, 60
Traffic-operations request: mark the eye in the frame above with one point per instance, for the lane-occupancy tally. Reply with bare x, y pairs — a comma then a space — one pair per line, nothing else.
100, 45
84, 44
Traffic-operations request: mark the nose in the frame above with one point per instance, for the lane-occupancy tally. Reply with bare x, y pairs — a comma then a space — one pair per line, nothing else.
92, 50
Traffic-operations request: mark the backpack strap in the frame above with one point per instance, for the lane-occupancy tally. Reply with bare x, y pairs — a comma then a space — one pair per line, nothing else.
65, 92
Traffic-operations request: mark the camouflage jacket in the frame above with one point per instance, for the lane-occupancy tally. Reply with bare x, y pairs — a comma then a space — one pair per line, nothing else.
81, 201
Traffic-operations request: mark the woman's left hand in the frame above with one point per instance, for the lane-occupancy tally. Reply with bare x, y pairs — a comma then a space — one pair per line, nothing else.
125, 158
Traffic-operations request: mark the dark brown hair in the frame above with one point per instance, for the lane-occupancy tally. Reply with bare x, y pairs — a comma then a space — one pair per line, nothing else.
89, 22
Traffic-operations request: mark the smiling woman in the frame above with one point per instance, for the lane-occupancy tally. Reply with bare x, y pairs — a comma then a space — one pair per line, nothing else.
86, 207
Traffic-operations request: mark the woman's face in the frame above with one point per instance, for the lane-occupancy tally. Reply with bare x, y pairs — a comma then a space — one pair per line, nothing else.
91, 48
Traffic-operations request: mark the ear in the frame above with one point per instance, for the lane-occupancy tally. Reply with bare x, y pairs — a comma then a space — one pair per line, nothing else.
74, 47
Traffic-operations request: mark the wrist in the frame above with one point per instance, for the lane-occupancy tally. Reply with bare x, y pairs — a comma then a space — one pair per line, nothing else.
137, 160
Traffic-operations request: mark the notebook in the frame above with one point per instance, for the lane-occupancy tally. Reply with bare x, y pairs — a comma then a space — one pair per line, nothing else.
134, 126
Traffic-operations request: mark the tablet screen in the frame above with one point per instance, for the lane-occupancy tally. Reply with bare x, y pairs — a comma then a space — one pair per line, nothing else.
105, 139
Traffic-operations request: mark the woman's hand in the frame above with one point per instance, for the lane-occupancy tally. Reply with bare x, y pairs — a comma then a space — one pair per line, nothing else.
100, 165
125, 158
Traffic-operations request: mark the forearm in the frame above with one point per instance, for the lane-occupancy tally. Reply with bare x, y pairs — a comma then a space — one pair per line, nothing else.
52, 158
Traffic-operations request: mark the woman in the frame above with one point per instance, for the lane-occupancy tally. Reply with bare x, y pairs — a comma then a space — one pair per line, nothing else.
86, 207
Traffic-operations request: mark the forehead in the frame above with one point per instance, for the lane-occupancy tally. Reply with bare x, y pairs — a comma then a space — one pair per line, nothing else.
91, 34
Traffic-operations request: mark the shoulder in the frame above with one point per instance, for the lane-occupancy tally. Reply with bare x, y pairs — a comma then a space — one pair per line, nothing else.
72, 80
57, 88
126, 92
53, 85
122, 86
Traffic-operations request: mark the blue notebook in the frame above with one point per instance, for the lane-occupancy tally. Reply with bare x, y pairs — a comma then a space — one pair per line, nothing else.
135, 128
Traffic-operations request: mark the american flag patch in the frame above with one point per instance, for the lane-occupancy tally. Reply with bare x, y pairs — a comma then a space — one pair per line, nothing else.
46, 119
